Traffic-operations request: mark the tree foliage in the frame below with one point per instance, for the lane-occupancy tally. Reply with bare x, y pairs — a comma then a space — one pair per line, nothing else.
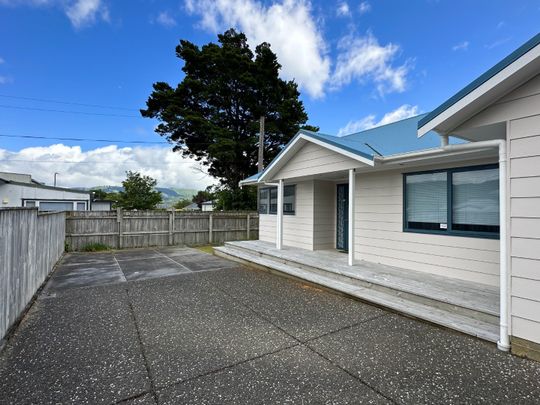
139, 192
183, 203
213, 113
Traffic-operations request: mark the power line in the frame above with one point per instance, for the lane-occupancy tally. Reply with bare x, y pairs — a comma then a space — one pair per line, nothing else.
67, 111
44, 100
82, 139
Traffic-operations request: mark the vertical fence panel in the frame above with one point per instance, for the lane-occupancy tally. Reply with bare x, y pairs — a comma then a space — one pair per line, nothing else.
30, 246
158, 228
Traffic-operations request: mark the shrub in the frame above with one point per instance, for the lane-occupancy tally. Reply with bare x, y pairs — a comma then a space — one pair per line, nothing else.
95, 247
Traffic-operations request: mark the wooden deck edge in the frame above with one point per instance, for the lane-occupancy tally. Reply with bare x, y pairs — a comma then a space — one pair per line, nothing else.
525, 348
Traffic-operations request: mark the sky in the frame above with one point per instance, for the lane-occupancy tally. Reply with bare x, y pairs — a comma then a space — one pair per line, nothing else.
82, 69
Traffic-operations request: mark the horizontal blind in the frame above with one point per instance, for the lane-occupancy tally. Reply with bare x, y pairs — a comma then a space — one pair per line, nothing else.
427, 198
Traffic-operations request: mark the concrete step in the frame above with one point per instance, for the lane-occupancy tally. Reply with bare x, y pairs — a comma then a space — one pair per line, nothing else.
390, 299
419, 287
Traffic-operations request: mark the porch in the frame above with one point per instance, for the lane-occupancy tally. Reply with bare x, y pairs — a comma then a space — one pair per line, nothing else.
468, 307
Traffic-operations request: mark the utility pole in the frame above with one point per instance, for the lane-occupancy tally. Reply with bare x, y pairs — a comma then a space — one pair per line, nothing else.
55, 174
260, 162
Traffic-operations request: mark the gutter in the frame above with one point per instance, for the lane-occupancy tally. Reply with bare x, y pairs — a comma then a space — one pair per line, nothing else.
500, 144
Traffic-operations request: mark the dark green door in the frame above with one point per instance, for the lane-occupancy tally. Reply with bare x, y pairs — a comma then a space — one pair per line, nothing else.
342, 228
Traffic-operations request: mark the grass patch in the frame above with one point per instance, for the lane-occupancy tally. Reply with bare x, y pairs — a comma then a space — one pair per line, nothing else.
95, 247
206, 249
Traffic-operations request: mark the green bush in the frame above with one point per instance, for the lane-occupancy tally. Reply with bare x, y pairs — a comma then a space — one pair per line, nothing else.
95, 247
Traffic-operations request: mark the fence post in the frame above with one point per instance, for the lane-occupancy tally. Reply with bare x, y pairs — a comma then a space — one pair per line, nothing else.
171, 227
210, 228
247, 226
120, 227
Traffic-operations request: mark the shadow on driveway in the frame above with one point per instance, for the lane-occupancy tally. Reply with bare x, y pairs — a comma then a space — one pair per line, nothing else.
176, 326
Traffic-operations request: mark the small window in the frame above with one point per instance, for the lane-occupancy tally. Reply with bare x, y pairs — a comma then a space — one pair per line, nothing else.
81, 206
289, 193
263, 200
30, 204
268, 197
273, 200
461, 201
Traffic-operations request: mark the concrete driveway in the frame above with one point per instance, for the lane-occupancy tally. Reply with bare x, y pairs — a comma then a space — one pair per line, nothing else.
175, 326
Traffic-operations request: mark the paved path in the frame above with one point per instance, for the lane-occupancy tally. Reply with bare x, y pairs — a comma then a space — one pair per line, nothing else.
175, 326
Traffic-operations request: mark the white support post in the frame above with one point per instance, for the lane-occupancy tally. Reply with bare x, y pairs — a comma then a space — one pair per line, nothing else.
350, 227
279, 219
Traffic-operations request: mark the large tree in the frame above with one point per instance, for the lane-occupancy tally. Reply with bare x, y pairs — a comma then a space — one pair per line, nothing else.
213, 113
139, 192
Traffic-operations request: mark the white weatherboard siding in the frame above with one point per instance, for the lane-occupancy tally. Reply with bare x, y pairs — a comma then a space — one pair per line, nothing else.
313, 159
297, 228
379, 235
324, 218
524, 136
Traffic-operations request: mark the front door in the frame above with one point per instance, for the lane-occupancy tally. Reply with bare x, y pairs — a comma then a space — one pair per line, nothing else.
342, 224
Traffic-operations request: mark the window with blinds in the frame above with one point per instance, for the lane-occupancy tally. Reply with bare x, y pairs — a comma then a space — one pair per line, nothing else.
460, 201
268, 200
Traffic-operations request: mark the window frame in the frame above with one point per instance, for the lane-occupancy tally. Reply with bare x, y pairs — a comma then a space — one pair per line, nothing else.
449, 204
269, 188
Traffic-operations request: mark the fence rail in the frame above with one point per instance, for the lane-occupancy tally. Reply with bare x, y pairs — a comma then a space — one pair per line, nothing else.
131, 229
30, 245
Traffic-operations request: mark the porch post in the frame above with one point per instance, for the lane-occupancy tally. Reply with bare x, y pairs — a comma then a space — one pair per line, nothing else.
279, 219
350, 226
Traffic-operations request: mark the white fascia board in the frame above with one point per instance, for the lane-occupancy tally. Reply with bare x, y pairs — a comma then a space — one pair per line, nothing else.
278, 162
488, 85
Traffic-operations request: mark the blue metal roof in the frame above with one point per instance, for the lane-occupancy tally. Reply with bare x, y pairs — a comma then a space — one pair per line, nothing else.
397, 137
389, 139
253, 178
518, 53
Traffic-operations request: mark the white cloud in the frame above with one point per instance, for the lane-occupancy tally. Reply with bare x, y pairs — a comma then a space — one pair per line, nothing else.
85, 12
81, 13
104, 166
462, 46
288, 25
400, 113
343, 9
165, 19
5, 79
364, 7
363, 58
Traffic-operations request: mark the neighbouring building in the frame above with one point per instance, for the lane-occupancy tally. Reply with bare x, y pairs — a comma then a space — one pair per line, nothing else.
441, 223
207, 206
20, 190
102, 205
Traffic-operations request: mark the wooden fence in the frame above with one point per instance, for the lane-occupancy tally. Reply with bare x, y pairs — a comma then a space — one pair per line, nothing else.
131, 229
30, 245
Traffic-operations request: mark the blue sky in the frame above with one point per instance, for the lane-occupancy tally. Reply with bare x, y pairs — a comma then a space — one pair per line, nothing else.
358, 64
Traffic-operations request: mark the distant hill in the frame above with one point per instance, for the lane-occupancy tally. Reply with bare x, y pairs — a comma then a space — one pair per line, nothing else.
170, 195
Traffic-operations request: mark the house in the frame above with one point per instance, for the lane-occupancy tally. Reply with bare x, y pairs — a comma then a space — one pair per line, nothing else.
191, 207
20, 190
102, 205
437, 216
207, 206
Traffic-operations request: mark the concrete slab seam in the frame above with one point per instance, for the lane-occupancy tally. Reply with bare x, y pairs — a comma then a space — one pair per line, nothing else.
172, 260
